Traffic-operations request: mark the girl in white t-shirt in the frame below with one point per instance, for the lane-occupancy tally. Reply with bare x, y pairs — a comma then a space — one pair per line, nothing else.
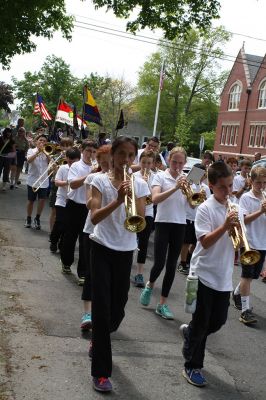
170, 223
146, 163
103, 166
111, 255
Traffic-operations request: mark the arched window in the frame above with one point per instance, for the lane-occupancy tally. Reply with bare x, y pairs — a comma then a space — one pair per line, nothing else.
262, 95
234, 97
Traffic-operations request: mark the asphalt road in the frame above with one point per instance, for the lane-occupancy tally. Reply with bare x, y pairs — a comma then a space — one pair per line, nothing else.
44, 356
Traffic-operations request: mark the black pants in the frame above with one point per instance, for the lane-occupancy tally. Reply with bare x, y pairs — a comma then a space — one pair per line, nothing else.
5, 167
110, 271
169, 237
210, 315
76, 215
143, 240
86, 292
59, 227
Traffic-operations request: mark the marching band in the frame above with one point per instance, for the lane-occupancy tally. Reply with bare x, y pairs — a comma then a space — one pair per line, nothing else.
112, 197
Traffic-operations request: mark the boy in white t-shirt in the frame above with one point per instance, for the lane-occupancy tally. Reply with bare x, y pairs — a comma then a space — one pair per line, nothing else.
241, 182
212, 261
61, 182
253, 206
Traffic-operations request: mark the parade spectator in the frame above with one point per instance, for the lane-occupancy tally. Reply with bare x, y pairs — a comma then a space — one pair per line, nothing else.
22, 146
165, 152
7, 153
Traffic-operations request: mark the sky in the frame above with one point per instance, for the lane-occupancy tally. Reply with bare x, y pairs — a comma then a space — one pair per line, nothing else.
91, 51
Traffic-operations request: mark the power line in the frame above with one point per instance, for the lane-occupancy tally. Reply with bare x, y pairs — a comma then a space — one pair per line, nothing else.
118, 33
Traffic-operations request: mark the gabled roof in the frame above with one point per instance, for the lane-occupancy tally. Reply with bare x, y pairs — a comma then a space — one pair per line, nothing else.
253, 63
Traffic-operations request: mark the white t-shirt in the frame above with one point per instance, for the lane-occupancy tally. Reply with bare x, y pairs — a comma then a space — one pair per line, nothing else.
191, 212
37, 168
89, 227
148, 208
214, 266
78, 170
255, 230
110, 232
238, 183
136, 161
61, 194
173, 209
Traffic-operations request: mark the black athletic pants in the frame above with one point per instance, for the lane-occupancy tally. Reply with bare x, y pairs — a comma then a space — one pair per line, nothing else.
168, 241
143, 240
110, 271
59, 227
76, 215
210, 315
86, 292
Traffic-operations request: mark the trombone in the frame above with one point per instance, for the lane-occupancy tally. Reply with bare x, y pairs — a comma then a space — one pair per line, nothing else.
248, 257
60, 160
51, 148
134, 222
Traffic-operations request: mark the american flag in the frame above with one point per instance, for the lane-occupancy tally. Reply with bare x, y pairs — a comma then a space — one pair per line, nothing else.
162, 75
40, 108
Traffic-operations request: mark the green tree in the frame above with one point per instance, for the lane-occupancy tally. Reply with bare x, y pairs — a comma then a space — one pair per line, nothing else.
6, 96
22, 19
52, 81
173, 17
192, 83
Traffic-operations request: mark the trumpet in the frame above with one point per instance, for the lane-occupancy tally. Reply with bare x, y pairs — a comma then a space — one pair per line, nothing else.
148, 200
134, 222
60, 160
51, 148
248, 257
194, 199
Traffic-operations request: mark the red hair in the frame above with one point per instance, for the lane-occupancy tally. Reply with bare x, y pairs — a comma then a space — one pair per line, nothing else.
105, 149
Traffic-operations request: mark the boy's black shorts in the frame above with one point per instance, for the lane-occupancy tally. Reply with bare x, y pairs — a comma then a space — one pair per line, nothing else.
41, 194
253, 271
190, 235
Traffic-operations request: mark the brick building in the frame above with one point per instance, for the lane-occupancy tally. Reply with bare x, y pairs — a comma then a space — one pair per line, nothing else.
241, 124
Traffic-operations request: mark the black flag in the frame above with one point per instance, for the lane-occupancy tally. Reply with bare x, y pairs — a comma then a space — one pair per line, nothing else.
121, 122
75, 119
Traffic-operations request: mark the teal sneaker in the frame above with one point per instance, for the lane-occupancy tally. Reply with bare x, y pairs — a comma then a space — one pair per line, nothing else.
164, 311
86, 321
145, 296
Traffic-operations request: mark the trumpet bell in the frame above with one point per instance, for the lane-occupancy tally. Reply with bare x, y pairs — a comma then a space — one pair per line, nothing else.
196, 199
249, 257
135, 223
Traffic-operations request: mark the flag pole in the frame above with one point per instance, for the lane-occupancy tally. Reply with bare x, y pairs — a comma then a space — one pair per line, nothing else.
158, 100
83, 111
60, 97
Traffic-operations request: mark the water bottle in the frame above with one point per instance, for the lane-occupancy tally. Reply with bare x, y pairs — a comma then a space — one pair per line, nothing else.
191, 293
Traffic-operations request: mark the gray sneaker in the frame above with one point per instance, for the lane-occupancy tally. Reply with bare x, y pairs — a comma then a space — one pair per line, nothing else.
247, 317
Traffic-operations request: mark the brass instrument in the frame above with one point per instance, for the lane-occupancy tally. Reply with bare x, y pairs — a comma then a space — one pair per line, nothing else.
194, 199
148, 200
248, 256
51, 148
54, 163
134, 222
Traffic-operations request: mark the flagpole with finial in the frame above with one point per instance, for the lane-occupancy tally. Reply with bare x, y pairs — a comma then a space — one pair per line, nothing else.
158, 99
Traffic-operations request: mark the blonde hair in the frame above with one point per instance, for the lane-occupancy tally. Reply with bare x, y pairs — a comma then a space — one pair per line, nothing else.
258, 172
178, 149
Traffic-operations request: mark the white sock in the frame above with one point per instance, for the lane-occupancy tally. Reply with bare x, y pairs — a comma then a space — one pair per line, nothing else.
237, 289
245, 303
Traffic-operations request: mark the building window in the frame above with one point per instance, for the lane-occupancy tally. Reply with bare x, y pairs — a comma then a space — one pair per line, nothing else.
257, 136
251, 136
229, 135
234, 97
262, 95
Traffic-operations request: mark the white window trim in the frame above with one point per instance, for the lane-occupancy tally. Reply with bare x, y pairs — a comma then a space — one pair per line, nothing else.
236, 83
263, 82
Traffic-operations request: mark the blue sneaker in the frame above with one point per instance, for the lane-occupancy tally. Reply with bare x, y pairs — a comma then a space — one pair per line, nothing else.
139, 281
102, 384
86, 321
194, 376
145, 296
164, 311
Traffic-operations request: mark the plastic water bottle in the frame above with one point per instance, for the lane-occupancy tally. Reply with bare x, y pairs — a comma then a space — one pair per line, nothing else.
191, 293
